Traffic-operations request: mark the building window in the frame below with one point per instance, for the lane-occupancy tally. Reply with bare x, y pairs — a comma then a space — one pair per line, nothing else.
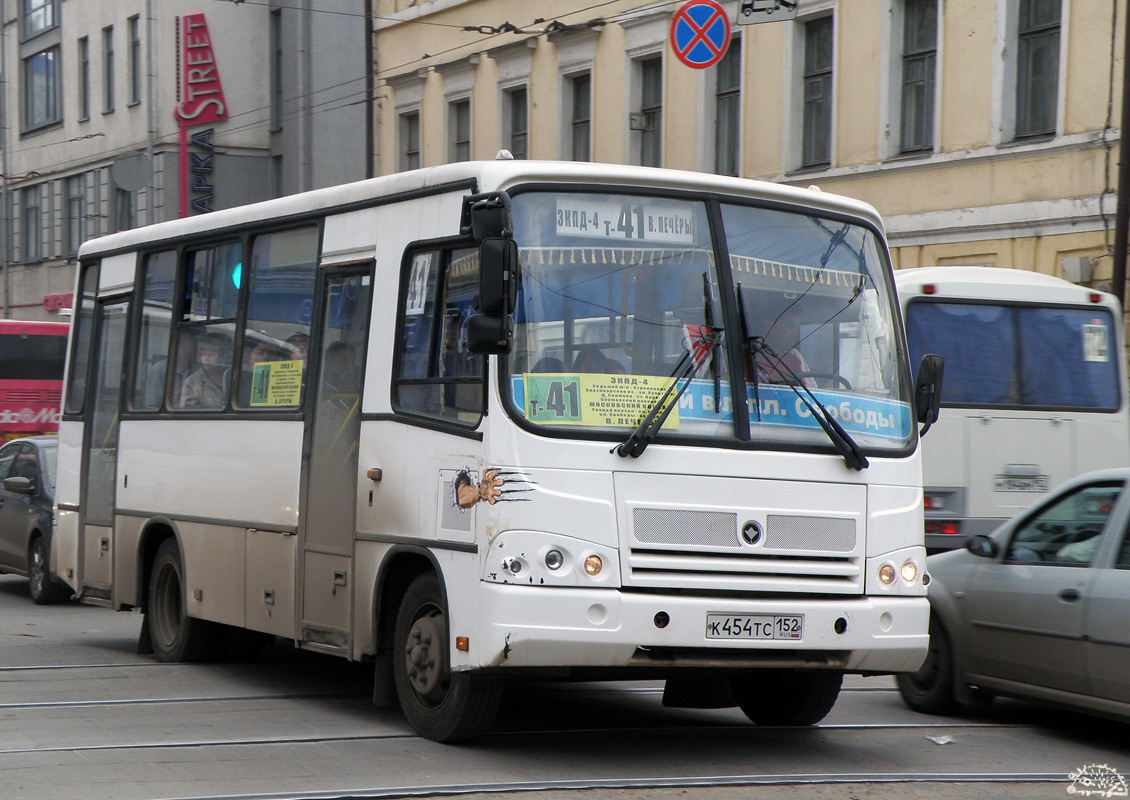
649, 120
75, 213
29, 232
410, 141
817, 133
276, 70
39, 15
919, 60
135, 67
41, 89
727, 111
1037, 69
84, 78
518, 143
581, 122
459, 120
108, 69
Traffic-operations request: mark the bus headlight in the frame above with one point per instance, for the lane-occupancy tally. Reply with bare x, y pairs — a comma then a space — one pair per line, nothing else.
554, 559
909, 572
593, 565
886, 574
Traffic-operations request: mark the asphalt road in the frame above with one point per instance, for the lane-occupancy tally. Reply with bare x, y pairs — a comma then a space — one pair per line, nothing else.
82, 715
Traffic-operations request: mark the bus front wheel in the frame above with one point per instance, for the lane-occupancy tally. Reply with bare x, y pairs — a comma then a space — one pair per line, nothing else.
175, 636
785, 696
441, 705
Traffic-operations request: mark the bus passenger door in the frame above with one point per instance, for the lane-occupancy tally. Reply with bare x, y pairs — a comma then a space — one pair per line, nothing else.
330, 503
100, 452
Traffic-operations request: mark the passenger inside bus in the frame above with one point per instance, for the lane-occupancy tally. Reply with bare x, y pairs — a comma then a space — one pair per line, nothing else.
783, 338
183, 364
207, 386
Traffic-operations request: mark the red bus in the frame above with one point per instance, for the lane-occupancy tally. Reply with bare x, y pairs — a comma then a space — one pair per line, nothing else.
31, 377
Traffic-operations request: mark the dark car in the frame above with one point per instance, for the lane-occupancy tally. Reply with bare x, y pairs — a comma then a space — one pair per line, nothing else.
1038, 609
27, 494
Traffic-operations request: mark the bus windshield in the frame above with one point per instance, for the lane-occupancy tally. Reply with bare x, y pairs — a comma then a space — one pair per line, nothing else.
621, 294
1020, 356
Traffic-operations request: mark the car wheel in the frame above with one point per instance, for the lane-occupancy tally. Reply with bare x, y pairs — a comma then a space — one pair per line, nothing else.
441, 705
786, 697
175, 636
930, 690
40, 585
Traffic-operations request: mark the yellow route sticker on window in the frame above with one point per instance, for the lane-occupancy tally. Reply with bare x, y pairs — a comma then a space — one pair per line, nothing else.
276, 383
594, 400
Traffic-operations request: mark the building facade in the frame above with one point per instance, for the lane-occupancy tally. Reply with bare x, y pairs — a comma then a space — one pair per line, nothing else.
138, 111
985, 132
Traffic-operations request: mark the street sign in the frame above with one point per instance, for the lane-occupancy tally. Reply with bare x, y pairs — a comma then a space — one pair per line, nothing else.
700, 33
751, 12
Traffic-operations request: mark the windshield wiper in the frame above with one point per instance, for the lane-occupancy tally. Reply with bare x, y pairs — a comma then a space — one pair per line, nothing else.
847, 446
684, 371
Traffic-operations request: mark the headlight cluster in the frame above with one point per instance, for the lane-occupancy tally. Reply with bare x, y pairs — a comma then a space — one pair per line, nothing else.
909, 573
540, 558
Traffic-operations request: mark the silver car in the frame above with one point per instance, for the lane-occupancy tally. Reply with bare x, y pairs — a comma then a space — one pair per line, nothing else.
1039, 609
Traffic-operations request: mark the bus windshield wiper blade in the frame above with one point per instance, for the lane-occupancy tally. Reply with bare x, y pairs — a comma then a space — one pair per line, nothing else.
684, 371
847, 446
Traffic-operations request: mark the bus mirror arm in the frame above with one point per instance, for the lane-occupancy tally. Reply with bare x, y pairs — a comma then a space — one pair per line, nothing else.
928, 391
486, 216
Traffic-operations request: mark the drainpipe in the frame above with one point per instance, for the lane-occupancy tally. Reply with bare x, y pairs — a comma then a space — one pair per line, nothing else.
7, 207
1122, 213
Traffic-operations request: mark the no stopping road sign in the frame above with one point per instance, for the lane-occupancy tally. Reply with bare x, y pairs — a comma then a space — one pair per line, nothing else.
700, 33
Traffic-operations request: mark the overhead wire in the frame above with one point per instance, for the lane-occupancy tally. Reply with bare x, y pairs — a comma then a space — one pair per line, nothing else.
361, 96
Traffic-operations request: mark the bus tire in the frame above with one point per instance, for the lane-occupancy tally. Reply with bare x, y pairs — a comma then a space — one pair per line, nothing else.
175, 636
930, 690
41, 587
786, 696
441, 705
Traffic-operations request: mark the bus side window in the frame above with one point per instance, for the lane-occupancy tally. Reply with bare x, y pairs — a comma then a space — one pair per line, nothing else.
152, 365
83, 338
213, 276
438, 376
271, 371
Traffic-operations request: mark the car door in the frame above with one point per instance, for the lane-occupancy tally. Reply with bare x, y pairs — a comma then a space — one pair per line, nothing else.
9, 506
19, 461
1026, 609
1107, 625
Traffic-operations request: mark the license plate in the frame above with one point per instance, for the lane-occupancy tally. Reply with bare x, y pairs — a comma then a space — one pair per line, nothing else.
1035, 483
754, 626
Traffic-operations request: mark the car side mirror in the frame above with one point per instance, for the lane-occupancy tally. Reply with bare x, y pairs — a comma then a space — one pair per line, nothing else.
982, 545
19, 485
928, 391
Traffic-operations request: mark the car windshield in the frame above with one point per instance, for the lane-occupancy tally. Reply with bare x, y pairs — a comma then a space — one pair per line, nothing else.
621, 294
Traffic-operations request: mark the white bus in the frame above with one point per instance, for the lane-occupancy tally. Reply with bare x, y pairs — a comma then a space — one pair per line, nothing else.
1035, 390
505, 418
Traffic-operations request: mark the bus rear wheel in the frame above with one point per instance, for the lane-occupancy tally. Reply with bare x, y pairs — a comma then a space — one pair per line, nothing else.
786, 696
441, 705
174, 635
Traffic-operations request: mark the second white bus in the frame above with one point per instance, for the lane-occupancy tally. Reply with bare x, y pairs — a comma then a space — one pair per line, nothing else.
1035, 390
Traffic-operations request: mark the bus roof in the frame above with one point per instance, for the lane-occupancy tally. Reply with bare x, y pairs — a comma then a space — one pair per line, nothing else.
17, 326
995, 283
488, 176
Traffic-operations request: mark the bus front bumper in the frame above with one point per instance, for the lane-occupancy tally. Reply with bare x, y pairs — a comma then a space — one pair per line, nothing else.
546, 627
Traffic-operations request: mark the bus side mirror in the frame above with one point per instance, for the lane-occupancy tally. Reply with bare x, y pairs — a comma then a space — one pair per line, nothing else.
498, 276
489, 333
490, 329
928, 391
